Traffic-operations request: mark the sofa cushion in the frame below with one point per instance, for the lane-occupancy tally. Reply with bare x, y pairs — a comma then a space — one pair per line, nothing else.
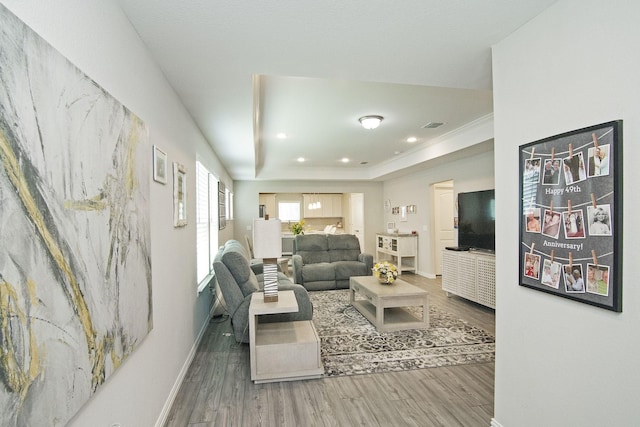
318, 272
343, 247
346, 269
343, 241
311, 242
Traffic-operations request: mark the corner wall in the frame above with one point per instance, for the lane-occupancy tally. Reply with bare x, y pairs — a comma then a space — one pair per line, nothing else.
97, 37
468, 174
560, 362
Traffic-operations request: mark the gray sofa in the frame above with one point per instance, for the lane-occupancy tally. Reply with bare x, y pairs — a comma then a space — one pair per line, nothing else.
327, 261
238, 280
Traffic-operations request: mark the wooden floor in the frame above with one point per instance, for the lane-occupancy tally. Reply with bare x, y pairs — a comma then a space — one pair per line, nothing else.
217, 390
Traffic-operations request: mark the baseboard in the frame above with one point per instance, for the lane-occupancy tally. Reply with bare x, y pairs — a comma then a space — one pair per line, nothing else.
162, 419
495, 423
427, 275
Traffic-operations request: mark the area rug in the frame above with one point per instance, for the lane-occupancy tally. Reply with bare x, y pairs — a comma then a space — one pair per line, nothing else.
350, 345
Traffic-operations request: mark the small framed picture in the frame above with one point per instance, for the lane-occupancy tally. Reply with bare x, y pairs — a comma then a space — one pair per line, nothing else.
159, 165
403, 213
179, 195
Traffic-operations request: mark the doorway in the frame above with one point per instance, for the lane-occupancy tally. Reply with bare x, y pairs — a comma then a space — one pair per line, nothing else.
356, 217
443, 214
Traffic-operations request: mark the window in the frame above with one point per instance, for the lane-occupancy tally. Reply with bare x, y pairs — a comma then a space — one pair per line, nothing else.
289, 211
229, 207
206, 223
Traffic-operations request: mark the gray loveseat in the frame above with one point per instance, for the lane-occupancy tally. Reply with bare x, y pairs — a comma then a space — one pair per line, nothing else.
238, 280
327, 261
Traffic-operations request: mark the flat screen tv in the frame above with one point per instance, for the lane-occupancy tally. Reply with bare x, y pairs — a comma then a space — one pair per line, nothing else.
477, 220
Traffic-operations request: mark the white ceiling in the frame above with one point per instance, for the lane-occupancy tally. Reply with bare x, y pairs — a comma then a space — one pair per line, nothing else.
248, 69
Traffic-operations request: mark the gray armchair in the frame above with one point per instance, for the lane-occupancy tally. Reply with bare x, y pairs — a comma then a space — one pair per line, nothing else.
238, 280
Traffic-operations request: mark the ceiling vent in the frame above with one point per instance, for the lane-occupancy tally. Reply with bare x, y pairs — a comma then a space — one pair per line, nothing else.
432, 125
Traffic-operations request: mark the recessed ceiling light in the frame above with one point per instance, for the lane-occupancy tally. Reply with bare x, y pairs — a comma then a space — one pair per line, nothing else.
345, 160
281, 135
364, 163
301, 159
412, 139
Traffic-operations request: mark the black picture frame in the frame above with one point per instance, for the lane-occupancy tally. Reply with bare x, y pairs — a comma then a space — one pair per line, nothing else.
571, 215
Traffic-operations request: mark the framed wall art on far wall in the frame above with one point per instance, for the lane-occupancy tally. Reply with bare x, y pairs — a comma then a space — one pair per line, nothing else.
179, 195
571, 215
159, 165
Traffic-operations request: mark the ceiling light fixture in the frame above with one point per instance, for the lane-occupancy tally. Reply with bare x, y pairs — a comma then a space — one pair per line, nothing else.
370, 122
281, 135
301, 159
412, 139
344, 160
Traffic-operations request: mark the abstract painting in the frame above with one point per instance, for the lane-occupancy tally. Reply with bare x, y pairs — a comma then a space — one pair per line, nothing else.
75, 263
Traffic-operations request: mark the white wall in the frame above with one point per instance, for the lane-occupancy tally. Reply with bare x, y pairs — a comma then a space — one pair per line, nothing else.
98, 39
469, 174
560, 362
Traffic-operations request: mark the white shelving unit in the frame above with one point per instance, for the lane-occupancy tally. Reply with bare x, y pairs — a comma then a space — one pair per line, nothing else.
470, 275
400, 249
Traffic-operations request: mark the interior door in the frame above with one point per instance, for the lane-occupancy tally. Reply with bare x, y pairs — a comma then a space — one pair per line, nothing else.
444, 233
357, 217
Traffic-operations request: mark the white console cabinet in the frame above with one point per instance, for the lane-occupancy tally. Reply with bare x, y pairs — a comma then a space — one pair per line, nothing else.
400, 249
471, 275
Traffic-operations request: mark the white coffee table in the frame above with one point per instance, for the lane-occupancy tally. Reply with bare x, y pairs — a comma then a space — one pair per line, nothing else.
385, 305
282, 351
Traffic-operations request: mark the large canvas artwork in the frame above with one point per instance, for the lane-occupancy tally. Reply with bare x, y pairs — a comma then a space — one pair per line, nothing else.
75, 267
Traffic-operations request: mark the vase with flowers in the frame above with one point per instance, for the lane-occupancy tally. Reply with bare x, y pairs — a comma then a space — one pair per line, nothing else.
297, 227
386, 272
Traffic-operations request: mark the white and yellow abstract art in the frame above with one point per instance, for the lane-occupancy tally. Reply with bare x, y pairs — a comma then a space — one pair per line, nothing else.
75, 263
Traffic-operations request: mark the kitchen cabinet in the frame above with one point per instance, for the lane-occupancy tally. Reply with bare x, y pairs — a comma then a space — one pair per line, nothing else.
330, 205
269, 201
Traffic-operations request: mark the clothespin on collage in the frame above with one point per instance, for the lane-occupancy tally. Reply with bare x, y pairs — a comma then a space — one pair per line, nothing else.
552, 255
595, 139
570, 260
593, 200
593, 255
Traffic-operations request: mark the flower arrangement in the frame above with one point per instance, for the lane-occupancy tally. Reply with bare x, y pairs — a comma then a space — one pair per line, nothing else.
385, 272
297, 227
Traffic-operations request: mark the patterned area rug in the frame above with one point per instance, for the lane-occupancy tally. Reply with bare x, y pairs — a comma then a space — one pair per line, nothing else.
350, 345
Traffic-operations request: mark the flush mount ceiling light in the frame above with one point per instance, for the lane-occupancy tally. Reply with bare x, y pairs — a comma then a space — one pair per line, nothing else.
370, 122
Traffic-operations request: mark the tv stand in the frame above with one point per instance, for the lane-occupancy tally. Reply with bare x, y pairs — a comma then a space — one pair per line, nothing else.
470, 275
